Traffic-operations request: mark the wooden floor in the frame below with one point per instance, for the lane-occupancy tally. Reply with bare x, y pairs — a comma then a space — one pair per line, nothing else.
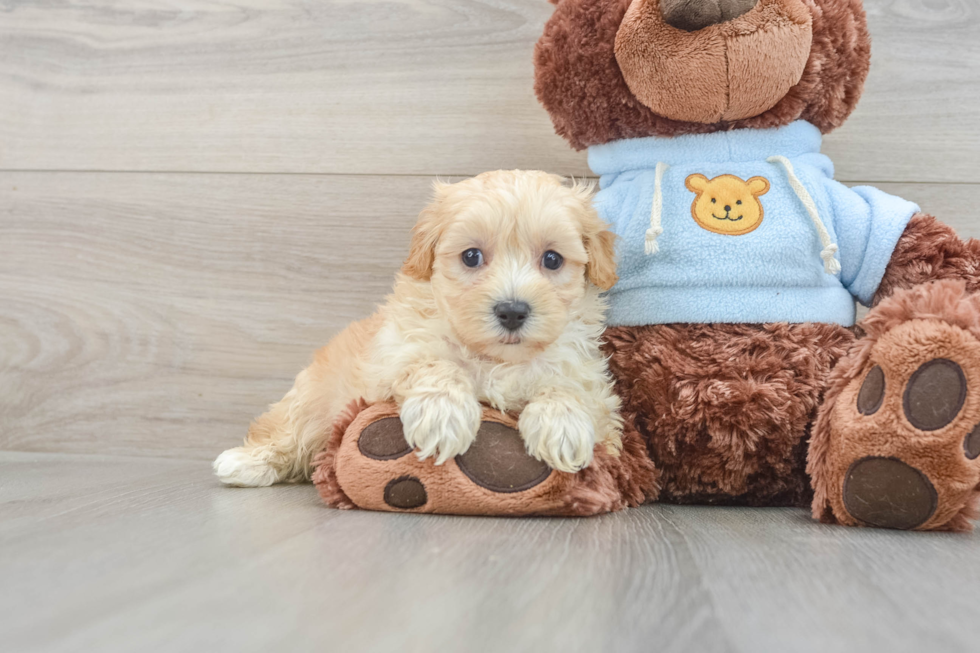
196, 194
101, 553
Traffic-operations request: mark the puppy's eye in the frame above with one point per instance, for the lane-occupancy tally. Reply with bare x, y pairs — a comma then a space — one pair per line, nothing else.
473, 258
739, 202
714, 201
552, 260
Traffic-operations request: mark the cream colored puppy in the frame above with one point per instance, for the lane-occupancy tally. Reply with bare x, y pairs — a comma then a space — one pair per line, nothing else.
498, 302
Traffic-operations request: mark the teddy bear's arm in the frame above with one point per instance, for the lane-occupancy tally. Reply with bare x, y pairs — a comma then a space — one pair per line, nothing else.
929, 251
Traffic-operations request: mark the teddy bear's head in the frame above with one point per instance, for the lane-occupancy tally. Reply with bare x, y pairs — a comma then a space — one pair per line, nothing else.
612, 69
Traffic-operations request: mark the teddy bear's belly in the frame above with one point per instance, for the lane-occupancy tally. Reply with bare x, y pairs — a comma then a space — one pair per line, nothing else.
726, 408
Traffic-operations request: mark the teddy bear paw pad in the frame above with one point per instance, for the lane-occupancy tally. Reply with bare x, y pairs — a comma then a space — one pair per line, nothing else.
384, 440
935, 394
888, 493
498, 461
405, 493
971, 443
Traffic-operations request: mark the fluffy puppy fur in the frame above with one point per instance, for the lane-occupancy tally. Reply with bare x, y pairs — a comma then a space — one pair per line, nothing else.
437, 348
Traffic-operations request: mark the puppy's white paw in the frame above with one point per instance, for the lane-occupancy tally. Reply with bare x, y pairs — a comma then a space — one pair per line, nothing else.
559, 433
243, 468
440, 424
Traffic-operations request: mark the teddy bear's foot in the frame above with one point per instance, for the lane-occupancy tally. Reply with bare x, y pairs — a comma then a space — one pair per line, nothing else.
897, 444
369, 465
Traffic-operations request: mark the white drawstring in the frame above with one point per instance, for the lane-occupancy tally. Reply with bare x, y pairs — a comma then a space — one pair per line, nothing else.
656, 211
830, 264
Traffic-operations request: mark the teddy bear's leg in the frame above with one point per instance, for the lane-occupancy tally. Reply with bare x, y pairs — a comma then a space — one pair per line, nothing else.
726, 409
897, 441
368, 464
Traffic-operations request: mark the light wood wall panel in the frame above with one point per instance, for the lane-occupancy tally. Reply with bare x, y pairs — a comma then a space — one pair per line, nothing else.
398, 87
158, 313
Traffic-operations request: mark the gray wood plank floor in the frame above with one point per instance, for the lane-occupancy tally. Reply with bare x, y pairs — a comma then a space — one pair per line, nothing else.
121, 554
196, 194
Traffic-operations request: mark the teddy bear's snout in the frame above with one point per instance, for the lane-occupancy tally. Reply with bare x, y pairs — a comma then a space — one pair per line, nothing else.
713, 60
692, 15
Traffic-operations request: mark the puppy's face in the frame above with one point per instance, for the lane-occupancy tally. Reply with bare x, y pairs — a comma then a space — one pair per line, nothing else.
509, 256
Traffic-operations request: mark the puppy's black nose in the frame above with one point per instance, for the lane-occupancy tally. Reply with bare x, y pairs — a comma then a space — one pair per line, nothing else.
512, 314
728, 208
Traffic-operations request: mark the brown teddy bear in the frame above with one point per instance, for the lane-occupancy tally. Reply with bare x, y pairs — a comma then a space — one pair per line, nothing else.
732, 330
744, 378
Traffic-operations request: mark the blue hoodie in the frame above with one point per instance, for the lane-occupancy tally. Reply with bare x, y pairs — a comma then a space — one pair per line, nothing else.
744, 226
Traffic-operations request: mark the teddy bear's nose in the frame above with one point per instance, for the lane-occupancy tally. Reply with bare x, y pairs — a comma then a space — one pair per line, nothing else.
692, 15
728, 208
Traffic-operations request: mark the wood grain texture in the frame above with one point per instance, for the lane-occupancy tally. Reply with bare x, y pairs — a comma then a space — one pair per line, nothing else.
156, 314
160, 313
398, 87
121, 554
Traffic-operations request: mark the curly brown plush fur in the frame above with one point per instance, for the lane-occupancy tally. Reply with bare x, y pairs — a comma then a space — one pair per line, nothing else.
929, 251
725, 408
613, 483
324, 463
632, 473
578, 80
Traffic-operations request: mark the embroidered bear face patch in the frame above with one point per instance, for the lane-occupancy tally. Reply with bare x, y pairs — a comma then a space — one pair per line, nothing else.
727, 205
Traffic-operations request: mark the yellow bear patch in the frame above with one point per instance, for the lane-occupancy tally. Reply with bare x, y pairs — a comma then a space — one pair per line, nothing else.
727, 205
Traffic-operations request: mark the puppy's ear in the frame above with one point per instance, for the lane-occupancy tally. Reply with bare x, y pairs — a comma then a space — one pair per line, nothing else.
425, 237
600, 243
601, 268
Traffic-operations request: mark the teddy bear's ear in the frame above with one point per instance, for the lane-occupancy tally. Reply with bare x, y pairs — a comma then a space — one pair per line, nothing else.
758, 186
696, 183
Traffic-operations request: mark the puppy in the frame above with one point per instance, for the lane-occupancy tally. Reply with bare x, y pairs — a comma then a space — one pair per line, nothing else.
497, 302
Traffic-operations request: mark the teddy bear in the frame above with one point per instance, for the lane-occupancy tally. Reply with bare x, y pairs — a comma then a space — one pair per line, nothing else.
732, 330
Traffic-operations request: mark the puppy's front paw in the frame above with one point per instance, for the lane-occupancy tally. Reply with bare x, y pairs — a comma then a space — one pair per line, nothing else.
559, 433
442, 424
